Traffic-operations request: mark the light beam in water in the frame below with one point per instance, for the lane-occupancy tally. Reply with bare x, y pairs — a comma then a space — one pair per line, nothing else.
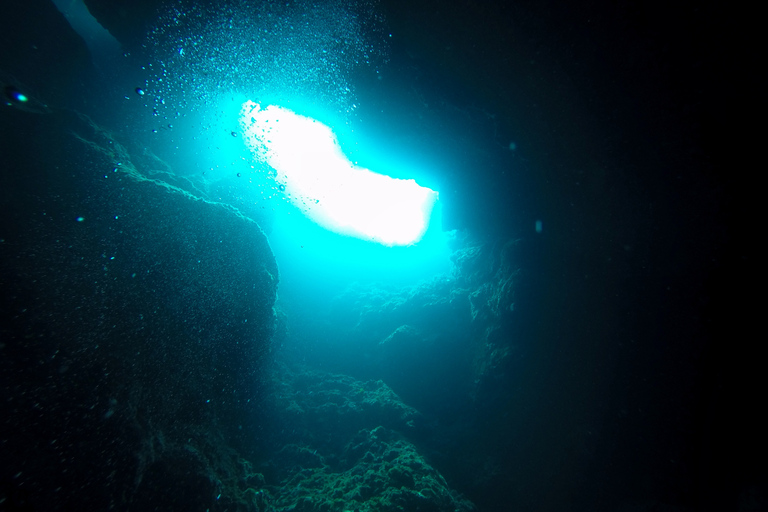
328, 188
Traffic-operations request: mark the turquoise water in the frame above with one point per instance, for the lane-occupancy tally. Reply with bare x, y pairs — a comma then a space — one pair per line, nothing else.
375, 257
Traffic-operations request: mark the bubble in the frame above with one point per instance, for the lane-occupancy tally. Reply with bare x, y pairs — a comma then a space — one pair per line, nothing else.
140, 91
291, 48
234, 134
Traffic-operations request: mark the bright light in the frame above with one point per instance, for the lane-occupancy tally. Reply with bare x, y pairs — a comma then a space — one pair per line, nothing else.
327, 187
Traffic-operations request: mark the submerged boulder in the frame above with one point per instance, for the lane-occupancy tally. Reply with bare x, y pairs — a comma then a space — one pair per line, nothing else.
135, 320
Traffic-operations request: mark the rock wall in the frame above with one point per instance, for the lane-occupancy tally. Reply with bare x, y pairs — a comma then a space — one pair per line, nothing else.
134, 323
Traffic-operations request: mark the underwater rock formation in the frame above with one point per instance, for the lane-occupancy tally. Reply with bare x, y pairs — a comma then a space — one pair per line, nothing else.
136, 317
448, 347
344, 445
439, 340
